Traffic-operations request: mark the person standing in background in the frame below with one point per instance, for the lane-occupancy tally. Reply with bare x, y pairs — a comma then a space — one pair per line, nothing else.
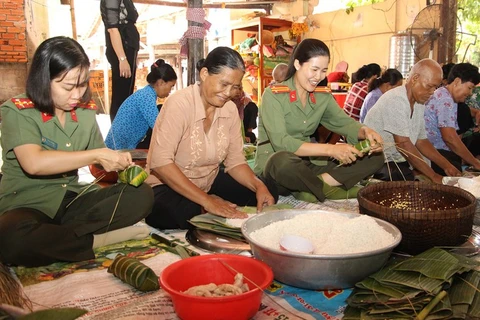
122, 42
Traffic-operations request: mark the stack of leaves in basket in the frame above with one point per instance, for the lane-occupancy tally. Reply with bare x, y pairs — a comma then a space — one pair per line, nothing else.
435, 284
216, 224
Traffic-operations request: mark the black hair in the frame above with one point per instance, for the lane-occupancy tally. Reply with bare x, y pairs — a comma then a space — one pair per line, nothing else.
222, 57
53, 59
367, 71
467, 72
391, 76
161, 70
199, 64
446, 68
304, 51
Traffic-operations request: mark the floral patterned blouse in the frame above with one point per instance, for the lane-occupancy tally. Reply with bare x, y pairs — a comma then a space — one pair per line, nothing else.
440, 112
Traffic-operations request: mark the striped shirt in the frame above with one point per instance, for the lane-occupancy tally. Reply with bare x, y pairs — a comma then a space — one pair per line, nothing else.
354, 100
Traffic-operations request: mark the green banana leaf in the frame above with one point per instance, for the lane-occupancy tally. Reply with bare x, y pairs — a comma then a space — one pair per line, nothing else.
474, 310
135, 273
55, 314
436, 264
464, 288
133, 175
435, 284
215, 224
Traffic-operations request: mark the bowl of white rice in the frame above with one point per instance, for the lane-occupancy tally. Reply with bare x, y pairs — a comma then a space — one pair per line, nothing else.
348, 247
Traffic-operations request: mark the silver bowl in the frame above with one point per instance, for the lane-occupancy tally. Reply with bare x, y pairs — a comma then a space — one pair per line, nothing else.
315, 271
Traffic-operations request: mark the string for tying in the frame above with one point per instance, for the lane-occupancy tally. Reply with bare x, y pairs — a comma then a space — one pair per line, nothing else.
88, 187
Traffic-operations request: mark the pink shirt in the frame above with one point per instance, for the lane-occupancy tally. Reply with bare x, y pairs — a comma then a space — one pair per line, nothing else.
178, 137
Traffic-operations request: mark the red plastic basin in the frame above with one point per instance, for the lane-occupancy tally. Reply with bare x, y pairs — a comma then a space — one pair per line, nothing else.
200, 270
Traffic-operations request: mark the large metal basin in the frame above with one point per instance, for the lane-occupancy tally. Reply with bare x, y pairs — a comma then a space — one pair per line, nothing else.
314, 271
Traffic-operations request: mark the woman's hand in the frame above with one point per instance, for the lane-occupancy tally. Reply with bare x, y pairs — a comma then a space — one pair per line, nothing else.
264, 198
376, 140
217, 206
112, 160
344, 153
452, 171
124, 67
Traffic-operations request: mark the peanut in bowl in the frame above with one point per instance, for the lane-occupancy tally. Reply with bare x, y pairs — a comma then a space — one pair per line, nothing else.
428, 215
177, 278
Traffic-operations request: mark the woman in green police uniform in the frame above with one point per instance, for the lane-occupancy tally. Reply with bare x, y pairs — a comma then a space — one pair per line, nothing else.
290, 113
47, 134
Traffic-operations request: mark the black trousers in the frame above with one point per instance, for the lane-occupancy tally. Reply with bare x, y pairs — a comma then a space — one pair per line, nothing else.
472, 142
30, 238
172, 210
122, 87
391, 171
452, 157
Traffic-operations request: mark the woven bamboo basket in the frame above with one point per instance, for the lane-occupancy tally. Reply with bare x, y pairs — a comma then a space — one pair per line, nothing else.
427, 215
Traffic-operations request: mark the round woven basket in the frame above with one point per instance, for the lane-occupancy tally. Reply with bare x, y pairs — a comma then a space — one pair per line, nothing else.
427, 215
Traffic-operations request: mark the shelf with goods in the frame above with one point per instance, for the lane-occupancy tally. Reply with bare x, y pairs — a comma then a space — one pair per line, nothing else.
256, 27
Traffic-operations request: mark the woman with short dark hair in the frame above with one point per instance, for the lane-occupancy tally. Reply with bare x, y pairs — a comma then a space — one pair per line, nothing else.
46, 214
197, 130
441, 117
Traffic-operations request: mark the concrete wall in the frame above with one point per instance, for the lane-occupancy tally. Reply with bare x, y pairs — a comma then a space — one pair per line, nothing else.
363, 36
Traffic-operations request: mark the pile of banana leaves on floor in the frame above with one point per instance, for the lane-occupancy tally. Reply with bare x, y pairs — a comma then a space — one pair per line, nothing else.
435, 284
216, 224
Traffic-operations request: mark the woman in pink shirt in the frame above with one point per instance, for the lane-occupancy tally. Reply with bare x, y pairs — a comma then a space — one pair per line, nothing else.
197, 130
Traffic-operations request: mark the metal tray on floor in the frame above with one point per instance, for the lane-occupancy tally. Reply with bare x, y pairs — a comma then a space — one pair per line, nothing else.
216, 243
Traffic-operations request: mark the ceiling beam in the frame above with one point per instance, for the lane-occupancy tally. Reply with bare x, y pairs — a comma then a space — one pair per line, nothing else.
262, 4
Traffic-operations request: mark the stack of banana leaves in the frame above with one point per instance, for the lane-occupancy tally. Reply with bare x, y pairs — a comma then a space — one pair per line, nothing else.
216, 224
435, 284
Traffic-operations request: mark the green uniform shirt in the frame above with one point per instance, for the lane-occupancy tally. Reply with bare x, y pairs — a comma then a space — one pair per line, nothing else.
286, 125
23, 124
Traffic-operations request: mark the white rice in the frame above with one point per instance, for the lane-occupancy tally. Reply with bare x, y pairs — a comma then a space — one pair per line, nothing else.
237, 223
330, 233
473, 187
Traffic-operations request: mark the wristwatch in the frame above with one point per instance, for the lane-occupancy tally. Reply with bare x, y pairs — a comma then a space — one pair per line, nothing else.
123, 58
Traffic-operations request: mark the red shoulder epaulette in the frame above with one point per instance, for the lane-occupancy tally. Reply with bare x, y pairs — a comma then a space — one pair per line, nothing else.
23, 103
280, 88
323, 89
88, 105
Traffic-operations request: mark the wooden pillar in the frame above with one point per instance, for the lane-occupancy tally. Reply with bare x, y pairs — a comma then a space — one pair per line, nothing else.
195, 46
74, 22
448, 40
